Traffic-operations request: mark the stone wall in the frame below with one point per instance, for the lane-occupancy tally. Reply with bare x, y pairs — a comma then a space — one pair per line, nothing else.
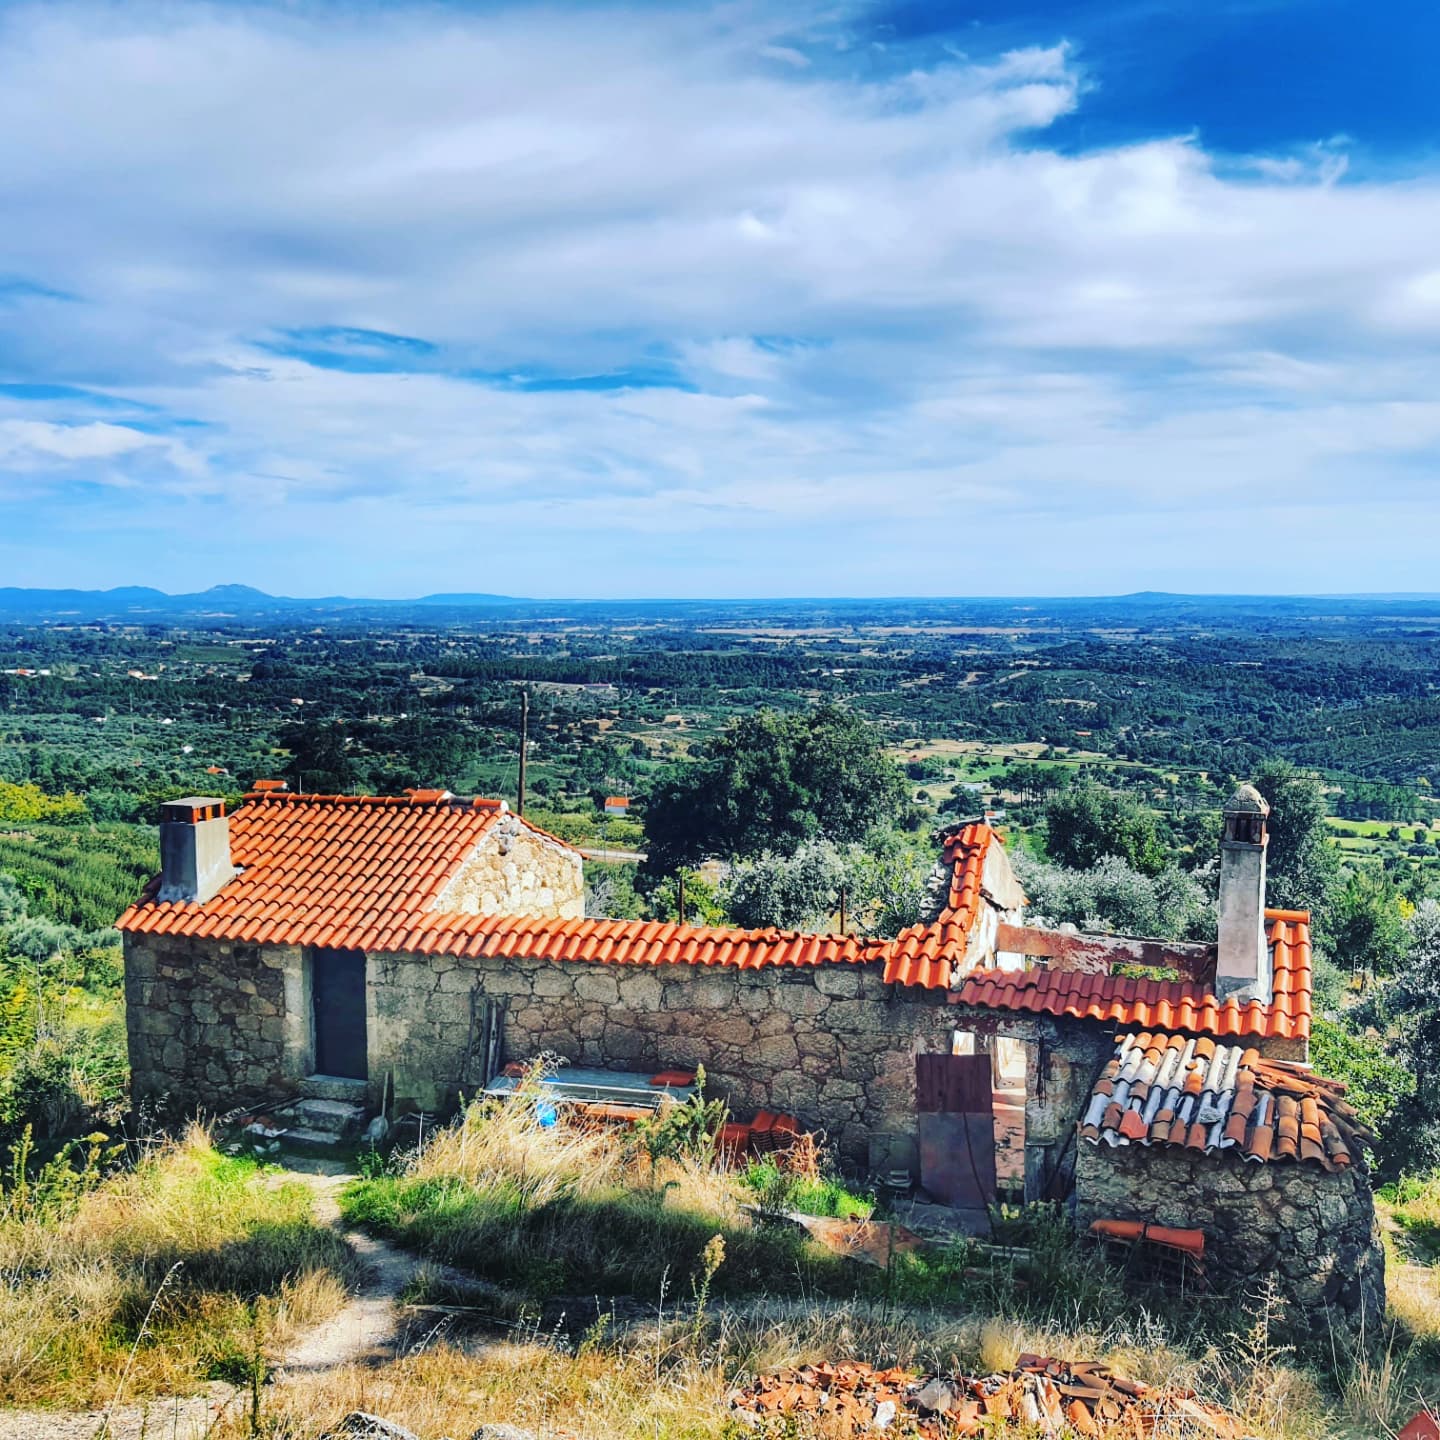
213, 1024
216, 1024
1314, 1231
515, 871
833, 1045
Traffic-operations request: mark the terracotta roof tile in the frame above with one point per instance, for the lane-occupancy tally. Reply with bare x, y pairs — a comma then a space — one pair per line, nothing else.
1165, 1004
1166, 1089
327, 869
364, 872
925, 954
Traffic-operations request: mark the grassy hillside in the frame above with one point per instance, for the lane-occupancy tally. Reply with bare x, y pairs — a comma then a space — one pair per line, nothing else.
191, 1260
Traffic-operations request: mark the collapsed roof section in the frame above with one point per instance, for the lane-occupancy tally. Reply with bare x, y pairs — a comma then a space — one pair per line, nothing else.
1187, 1004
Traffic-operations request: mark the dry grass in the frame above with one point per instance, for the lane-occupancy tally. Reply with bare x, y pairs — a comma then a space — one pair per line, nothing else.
667, 1381
209, 1257
549, 1209
559, 1209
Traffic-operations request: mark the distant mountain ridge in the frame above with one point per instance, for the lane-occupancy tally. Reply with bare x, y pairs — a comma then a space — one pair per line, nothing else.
141, 602
244, 604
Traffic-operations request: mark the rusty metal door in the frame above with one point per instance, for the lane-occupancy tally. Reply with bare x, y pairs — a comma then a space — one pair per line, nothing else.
956, 1122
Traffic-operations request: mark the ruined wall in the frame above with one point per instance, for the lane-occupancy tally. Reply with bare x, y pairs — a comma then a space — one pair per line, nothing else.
515, 871
1312, 1230
1063, 1060
213, 1024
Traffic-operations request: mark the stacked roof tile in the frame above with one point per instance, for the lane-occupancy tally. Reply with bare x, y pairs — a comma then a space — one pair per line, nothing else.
1196, 1094
926, 954
1165, 1004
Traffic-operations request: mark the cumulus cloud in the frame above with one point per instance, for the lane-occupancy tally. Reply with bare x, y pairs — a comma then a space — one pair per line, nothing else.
723, 276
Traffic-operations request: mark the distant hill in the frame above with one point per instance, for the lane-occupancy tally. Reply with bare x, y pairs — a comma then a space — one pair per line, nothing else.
139, 603
243, 604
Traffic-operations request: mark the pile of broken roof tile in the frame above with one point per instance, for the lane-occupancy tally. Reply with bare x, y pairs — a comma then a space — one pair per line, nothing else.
1195, 1093
1040, 1396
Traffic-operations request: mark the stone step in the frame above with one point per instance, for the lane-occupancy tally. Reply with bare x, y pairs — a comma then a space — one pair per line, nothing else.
336, 1116
303, 1135
335, 1087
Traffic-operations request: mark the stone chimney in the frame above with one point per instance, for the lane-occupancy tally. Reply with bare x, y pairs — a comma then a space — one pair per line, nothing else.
194, 849
1242, 968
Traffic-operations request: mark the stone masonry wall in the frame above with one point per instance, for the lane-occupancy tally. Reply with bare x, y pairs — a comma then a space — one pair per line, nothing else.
833, 1045
1312, 1230
213, 1024
830, 1045
514, 871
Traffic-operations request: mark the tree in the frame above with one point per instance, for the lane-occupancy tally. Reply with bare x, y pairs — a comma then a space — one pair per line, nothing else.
319, 761
20, 804
1085, 823
1377, 1085
1113, 896
788, 892
1367, 923
1301, 866
1408, 1009
610, 892
889, 885
771, 783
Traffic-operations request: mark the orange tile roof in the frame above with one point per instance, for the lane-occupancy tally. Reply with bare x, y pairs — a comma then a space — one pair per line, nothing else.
362, 872
925, 954
327, 869
1197, 1094
1164, 1004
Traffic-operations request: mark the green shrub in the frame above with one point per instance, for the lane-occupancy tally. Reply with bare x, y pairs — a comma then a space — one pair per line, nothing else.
777, 1188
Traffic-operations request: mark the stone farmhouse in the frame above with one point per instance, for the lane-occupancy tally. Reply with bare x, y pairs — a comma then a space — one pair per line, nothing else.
398, 950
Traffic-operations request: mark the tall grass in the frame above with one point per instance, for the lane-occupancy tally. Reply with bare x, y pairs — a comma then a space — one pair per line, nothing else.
553, 1209
80, 1273
563, 1209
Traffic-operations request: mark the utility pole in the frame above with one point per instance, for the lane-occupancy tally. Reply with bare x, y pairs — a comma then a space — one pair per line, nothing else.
842, 909
682, 896
524, 743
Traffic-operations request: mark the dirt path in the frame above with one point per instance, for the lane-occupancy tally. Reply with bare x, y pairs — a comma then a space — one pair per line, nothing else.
370, 1328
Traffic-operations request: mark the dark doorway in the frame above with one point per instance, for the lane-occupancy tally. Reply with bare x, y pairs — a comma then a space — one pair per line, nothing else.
953, 1098
338, 990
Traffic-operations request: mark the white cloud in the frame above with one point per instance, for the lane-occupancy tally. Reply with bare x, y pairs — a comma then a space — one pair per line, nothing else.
892, 300
39, 444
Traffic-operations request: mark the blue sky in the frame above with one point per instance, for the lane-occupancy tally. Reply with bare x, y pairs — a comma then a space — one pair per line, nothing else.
1004, 297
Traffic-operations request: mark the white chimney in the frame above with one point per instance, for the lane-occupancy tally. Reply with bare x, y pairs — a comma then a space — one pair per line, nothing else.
194, 849
1242, 968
